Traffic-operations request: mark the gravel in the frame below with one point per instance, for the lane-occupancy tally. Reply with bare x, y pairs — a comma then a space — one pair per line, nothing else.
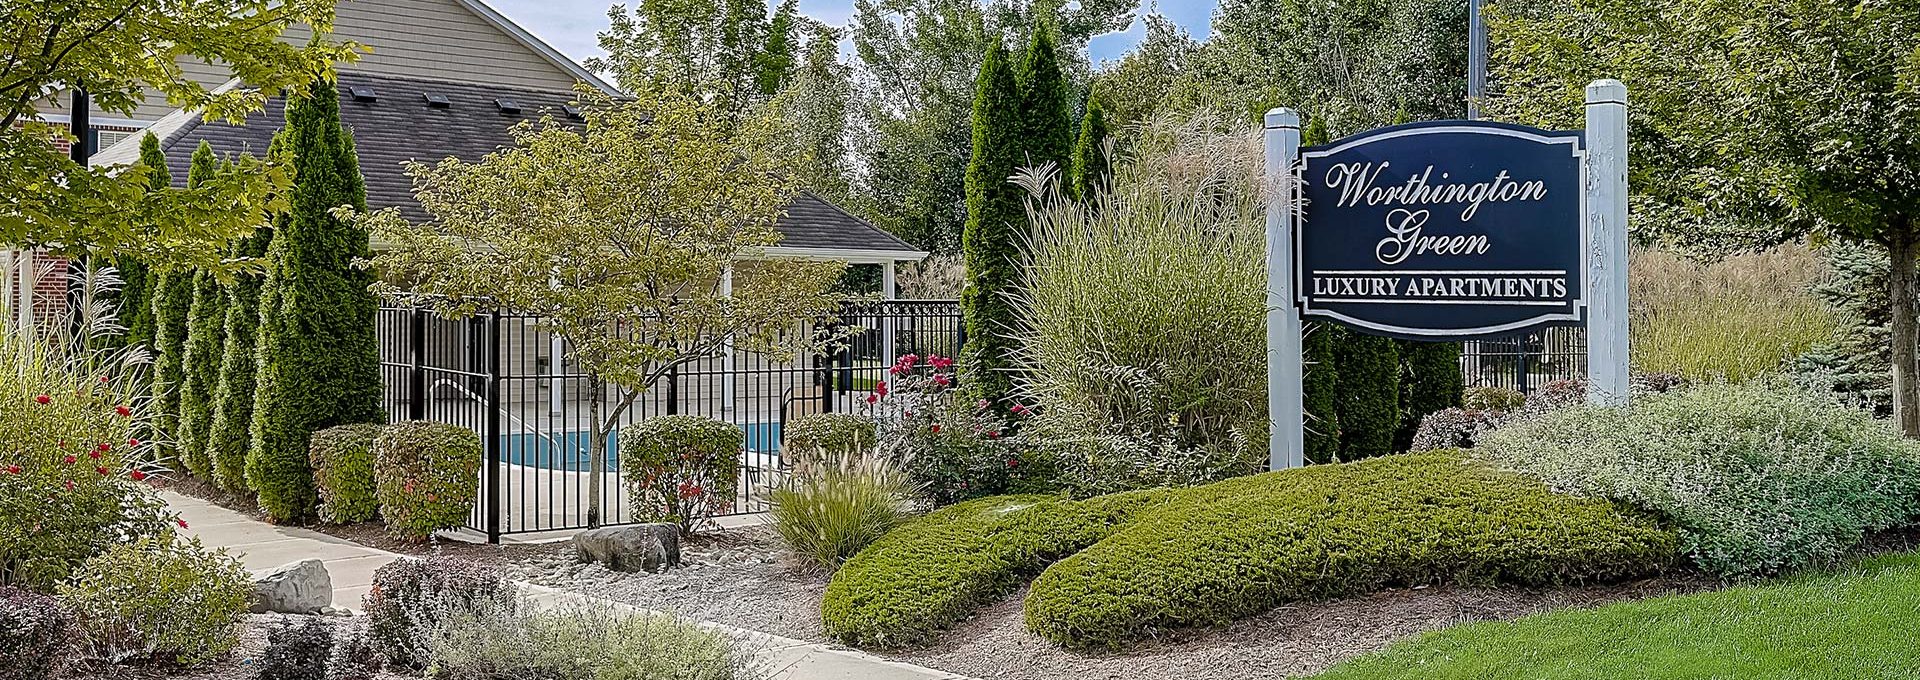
743, 578
237, 665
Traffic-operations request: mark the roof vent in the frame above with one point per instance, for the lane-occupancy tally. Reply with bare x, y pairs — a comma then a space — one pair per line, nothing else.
437, 100
507, 105
363, 94
573, 112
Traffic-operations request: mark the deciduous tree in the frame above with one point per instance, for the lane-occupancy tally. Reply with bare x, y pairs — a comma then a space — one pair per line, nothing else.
639, 216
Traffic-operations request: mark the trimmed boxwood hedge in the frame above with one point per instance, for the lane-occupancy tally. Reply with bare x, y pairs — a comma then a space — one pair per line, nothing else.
426, 475
938, 569
1218, 553
342, 460
838, 434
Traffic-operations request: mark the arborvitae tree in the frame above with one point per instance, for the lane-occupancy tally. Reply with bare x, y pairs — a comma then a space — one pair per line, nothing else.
1320, 389
202, 357
1430, 380
227, 435
994, 215
1045, 104
1369, 394
172, 300
318, 361
137, 282
1089, 151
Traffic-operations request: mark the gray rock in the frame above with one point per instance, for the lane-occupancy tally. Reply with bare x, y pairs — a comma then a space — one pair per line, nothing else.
635, 547
303, 587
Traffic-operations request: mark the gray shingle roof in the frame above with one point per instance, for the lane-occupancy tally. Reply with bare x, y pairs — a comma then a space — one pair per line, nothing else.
400, 127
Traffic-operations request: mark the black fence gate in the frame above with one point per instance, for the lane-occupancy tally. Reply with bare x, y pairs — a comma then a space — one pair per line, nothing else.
1527, 361
505, 377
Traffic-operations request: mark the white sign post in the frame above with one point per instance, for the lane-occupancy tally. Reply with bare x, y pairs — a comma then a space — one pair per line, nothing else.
1286, 410
1607, 252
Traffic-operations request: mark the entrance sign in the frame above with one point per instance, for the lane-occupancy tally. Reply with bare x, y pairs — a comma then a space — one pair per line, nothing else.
1447, 230
1443, 230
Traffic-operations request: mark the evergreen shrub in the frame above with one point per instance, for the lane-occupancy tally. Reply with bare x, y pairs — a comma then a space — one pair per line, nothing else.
1218, 553
342, 460
299, 650
683, 469
938, 569
426, 476
836, 434
1758, 478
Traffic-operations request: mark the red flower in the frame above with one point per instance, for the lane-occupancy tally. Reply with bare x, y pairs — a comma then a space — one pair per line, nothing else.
935, 428
123, 411
880, 388
941, 379
13, 469
102, 470
407, 487
133, 442
106, 447
181, 522
103, 379
137, 475
873, 398
63, 443
994, 434
1013, 462
1016, 408
70, 459
43, 399
69, 485
94, 455
939, 362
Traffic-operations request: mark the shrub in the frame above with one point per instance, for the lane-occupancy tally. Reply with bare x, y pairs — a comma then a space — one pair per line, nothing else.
1490, 398
938, 569
1757, 478
684, 469
845, 434
71, 467
1141, 308
828, 514
411, 598
1454, 428
201, 354
1218, 553
950, 449
298, 651
1090, 464
354, 657
426, 476
162, 597
519, 642
36, 636
342, 460
1729, 320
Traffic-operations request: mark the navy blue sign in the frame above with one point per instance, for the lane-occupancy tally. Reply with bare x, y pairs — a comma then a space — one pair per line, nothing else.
1446, 229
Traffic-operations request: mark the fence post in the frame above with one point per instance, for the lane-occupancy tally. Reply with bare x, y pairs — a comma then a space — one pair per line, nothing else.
1520, 365
673, 389
493, 428
828, 374
417, 373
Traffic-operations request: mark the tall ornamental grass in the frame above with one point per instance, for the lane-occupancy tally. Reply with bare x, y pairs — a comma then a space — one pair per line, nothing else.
1143, 305
1757, 477
1727, 320
839, 505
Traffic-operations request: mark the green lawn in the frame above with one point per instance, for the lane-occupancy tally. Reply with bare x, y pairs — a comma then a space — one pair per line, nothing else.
1855, 623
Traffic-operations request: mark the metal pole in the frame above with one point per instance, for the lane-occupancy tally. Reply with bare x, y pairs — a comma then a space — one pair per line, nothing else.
728, 389
1607, 247
1286, 438
417, 373
1476, 58
493, 428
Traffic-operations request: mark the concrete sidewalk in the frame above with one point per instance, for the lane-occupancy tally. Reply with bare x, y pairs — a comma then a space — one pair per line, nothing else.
260, 545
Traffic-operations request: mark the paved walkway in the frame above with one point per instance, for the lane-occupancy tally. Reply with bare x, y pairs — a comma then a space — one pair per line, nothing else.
260, 545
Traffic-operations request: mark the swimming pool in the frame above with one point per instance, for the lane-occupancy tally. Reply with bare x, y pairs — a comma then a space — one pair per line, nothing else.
568, 451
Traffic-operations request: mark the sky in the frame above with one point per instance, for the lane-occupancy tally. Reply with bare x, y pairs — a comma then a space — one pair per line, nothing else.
570, 25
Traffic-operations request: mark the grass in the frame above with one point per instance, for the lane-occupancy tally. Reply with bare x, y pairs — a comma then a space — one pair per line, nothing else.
1852, 623
1728, 320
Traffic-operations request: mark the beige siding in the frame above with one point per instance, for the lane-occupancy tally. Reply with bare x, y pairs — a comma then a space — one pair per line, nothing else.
435, 39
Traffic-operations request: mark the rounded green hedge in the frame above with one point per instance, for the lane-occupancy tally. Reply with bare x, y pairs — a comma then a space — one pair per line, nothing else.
426, 476
936, 570
342, 460
809, 436
683, 469
1218, 553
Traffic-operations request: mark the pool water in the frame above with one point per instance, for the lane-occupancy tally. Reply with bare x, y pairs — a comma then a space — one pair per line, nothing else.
568, 451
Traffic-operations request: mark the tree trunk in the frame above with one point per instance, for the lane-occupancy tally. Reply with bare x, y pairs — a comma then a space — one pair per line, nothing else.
596, 451
1901, 251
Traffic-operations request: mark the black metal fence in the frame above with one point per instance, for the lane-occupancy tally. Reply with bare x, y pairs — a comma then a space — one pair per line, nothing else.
1527, 361
504, 376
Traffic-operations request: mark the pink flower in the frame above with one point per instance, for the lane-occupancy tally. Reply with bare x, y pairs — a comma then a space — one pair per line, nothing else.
70, 459
43, 399
102, 470
1016, 408
103, 380
982, 403
941, 379
939, 362
873, 398
880, 388
69, 485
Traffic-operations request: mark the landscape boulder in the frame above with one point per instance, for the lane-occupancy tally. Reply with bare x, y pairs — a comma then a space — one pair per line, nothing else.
637, 547
302, 587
